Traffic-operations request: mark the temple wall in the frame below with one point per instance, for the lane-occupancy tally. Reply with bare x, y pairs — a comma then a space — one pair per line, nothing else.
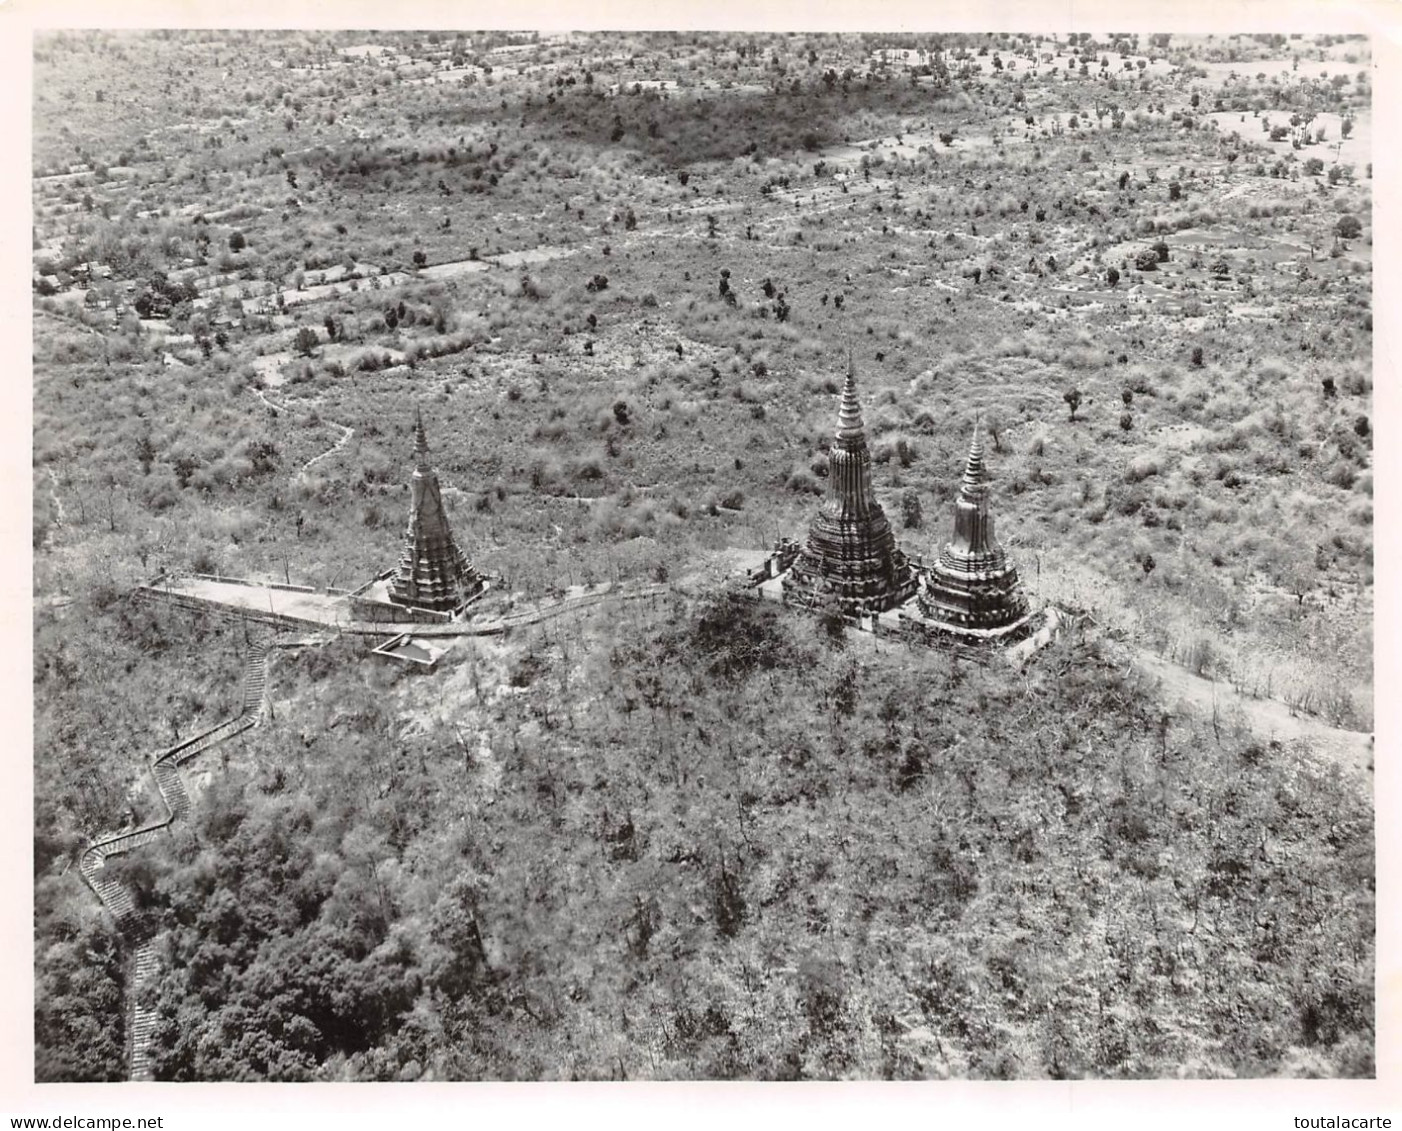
286, 588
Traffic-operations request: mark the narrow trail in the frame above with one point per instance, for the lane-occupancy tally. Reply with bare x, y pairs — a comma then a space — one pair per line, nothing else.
1269, 719
567, 605
346, 433
257, 392
60, 516
116, 897
510, 621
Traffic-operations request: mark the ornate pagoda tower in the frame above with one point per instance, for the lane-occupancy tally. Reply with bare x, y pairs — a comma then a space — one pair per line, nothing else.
972, 585
850, 557
433, 573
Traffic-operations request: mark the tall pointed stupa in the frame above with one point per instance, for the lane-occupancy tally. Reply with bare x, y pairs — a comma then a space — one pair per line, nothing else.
433, 572
850, 558
972, 585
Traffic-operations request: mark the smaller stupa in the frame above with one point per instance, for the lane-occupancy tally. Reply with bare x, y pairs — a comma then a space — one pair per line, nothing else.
433, 572
972, 585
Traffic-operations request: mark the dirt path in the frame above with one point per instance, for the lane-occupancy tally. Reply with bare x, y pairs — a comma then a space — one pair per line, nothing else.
60, 515
628, 591
1268, 718
346, 432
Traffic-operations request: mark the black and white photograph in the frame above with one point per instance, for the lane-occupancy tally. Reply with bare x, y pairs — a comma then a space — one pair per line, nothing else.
700, 555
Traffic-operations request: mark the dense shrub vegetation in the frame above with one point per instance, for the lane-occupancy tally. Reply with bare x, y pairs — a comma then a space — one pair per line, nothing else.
632, 865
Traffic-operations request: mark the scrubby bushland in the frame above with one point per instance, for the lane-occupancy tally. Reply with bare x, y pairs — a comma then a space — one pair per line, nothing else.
637, 867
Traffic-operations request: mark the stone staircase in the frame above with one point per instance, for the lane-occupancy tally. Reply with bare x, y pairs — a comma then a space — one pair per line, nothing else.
117, 898
172, 788
140, 1020
255, 682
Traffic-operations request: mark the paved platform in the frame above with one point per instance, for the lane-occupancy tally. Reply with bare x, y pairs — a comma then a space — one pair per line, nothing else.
301, 609
313, 606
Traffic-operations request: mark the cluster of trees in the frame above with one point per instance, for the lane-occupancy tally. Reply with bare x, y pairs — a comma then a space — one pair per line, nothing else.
161, 295
679, 130
79, 987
